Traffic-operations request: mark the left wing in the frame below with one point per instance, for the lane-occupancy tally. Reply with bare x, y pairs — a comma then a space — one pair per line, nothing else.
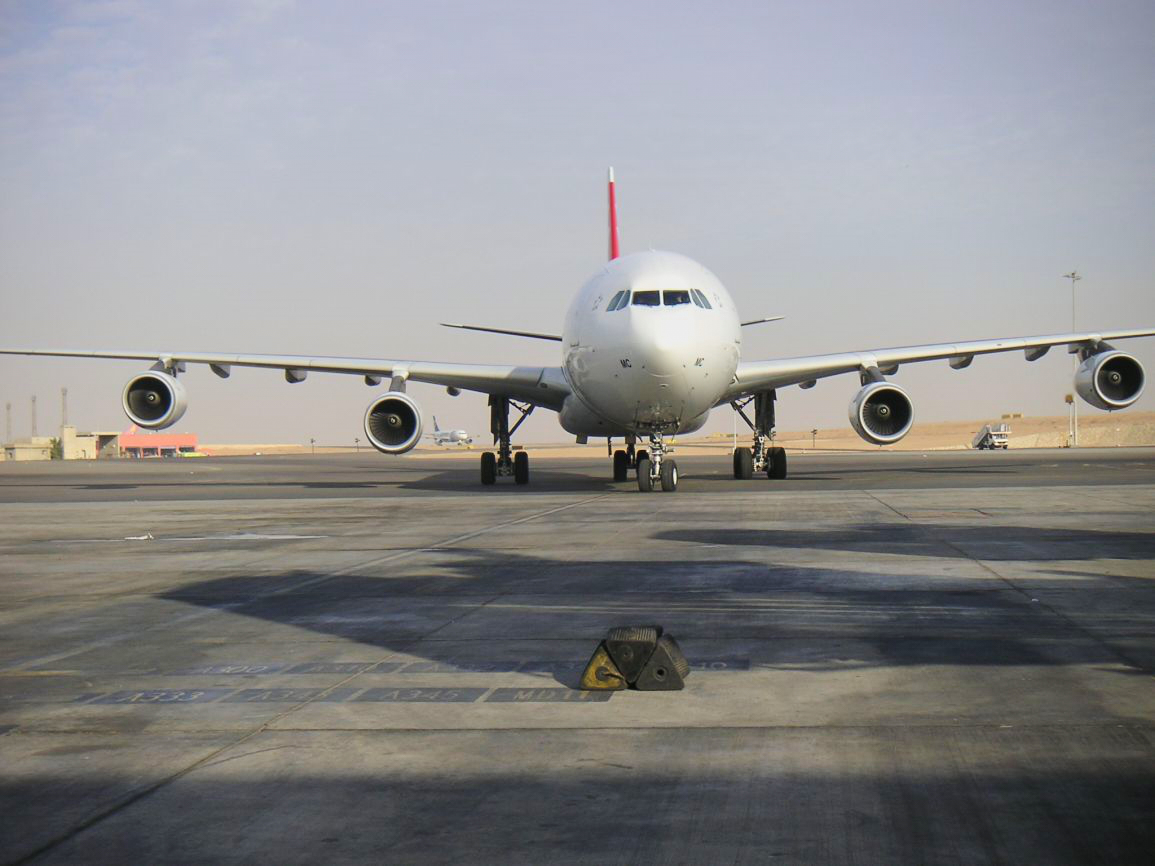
542, 386
763, 375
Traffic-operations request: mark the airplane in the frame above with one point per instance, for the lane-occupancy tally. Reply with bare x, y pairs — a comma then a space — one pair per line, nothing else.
650, 344
449, 437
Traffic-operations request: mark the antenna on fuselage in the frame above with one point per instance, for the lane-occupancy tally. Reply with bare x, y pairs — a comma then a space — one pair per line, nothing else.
613, 219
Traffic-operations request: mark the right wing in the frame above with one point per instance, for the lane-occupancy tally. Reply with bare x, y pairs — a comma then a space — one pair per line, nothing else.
754, 376
541, 386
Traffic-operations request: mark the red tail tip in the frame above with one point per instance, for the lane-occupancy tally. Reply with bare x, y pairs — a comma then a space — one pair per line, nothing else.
613, 219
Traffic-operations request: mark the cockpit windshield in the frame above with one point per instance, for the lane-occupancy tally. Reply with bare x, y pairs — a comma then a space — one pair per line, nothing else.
675, 297
618, 301
647, 299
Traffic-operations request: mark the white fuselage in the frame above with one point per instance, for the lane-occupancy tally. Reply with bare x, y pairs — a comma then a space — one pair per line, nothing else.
647, 367
451, 437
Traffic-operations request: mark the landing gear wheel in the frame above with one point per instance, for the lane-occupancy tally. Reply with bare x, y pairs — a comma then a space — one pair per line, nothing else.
521, 467
621, 466
743, 464
488, 468
776, 467
669, 476
645, 482
642, 455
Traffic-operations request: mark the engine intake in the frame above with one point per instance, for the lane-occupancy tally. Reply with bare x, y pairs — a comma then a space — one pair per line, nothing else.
154, 400
881, 413
1110, 380
393, 423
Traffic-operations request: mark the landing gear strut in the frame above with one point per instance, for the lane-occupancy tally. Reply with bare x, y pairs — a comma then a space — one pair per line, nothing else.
505, 462
656, 467
764, 456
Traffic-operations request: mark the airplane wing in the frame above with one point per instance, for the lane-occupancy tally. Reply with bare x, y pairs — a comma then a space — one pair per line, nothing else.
541, 386
754, 376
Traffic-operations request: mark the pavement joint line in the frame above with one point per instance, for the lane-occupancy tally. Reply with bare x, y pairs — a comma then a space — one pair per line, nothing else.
1032, 601
200, 614
93, 820
1113, 723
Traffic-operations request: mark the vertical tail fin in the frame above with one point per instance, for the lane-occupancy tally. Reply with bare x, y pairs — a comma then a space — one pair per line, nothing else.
613, 219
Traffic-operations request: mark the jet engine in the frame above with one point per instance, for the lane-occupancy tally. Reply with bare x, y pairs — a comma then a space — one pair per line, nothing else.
393, 423
881, 413
1110, 380
154, 400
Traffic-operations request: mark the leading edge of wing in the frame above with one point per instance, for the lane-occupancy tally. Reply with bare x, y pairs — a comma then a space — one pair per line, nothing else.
545, 386
756, 375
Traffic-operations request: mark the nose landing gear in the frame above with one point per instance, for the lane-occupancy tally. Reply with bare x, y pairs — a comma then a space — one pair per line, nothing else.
505, 462
764, 456
656, 467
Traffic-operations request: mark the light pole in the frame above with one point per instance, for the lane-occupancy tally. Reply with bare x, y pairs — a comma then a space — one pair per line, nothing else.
312, 446
1074, 277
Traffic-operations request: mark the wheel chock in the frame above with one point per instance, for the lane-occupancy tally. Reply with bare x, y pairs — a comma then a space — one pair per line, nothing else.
666, 670
631, 647
637, 657
601, 674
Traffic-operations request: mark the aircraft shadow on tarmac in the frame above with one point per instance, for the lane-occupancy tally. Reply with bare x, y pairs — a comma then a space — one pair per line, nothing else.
1060, 798
478, 608
995, 543
541, 481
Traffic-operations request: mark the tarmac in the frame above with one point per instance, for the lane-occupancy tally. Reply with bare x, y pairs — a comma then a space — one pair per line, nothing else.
896, 658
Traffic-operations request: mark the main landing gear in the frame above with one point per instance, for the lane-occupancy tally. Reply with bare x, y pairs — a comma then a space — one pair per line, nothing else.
505, 462
625, 460
763, 456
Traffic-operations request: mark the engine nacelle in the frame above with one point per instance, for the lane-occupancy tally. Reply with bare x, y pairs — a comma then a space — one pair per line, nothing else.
393, 423
1110, 380
154, 400
881, 413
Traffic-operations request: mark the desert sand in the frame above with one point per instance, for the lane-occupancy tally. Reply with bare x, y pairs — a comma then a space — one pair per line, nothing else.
1097, 430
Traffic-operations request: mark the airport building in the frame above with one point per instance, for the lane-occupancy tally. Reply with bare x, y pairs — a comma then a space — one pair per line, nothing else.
138, 443
107, 445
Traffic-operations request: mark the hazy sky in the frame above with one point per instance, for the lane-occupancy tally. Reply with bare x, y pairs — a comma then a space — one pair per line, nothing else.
336, 178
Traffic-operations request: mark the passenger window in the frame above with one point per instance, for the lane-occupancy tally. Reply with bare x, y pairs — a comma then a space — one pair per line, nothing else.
613, 305
675, 298
647, 299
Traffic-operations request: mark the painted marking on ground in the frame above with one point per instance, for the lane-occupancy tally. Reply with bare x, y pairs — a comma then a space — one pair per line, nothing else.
546, 696
160, 696
445, 666
421, 695
292, 696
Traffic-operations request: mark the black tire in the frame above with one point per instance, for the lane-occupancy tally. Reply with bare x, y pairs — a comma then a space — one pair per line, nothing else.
777, 465
521, 467
621, 466
645, 482
669, 476
743, 464
488, 468
641, 455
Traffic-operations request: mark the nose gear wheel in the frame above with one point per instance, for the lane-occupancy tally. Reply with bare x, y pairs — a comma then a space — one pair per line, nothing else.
656, 467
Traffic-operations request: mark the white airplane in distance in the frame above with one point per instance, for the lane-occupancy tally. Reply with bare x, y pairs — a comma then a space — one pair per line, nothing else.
651, 343
449, 437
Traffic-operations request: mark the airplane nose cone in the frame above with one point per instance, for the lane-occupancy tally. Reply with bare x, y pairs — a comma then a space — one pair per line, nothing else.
663, 342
